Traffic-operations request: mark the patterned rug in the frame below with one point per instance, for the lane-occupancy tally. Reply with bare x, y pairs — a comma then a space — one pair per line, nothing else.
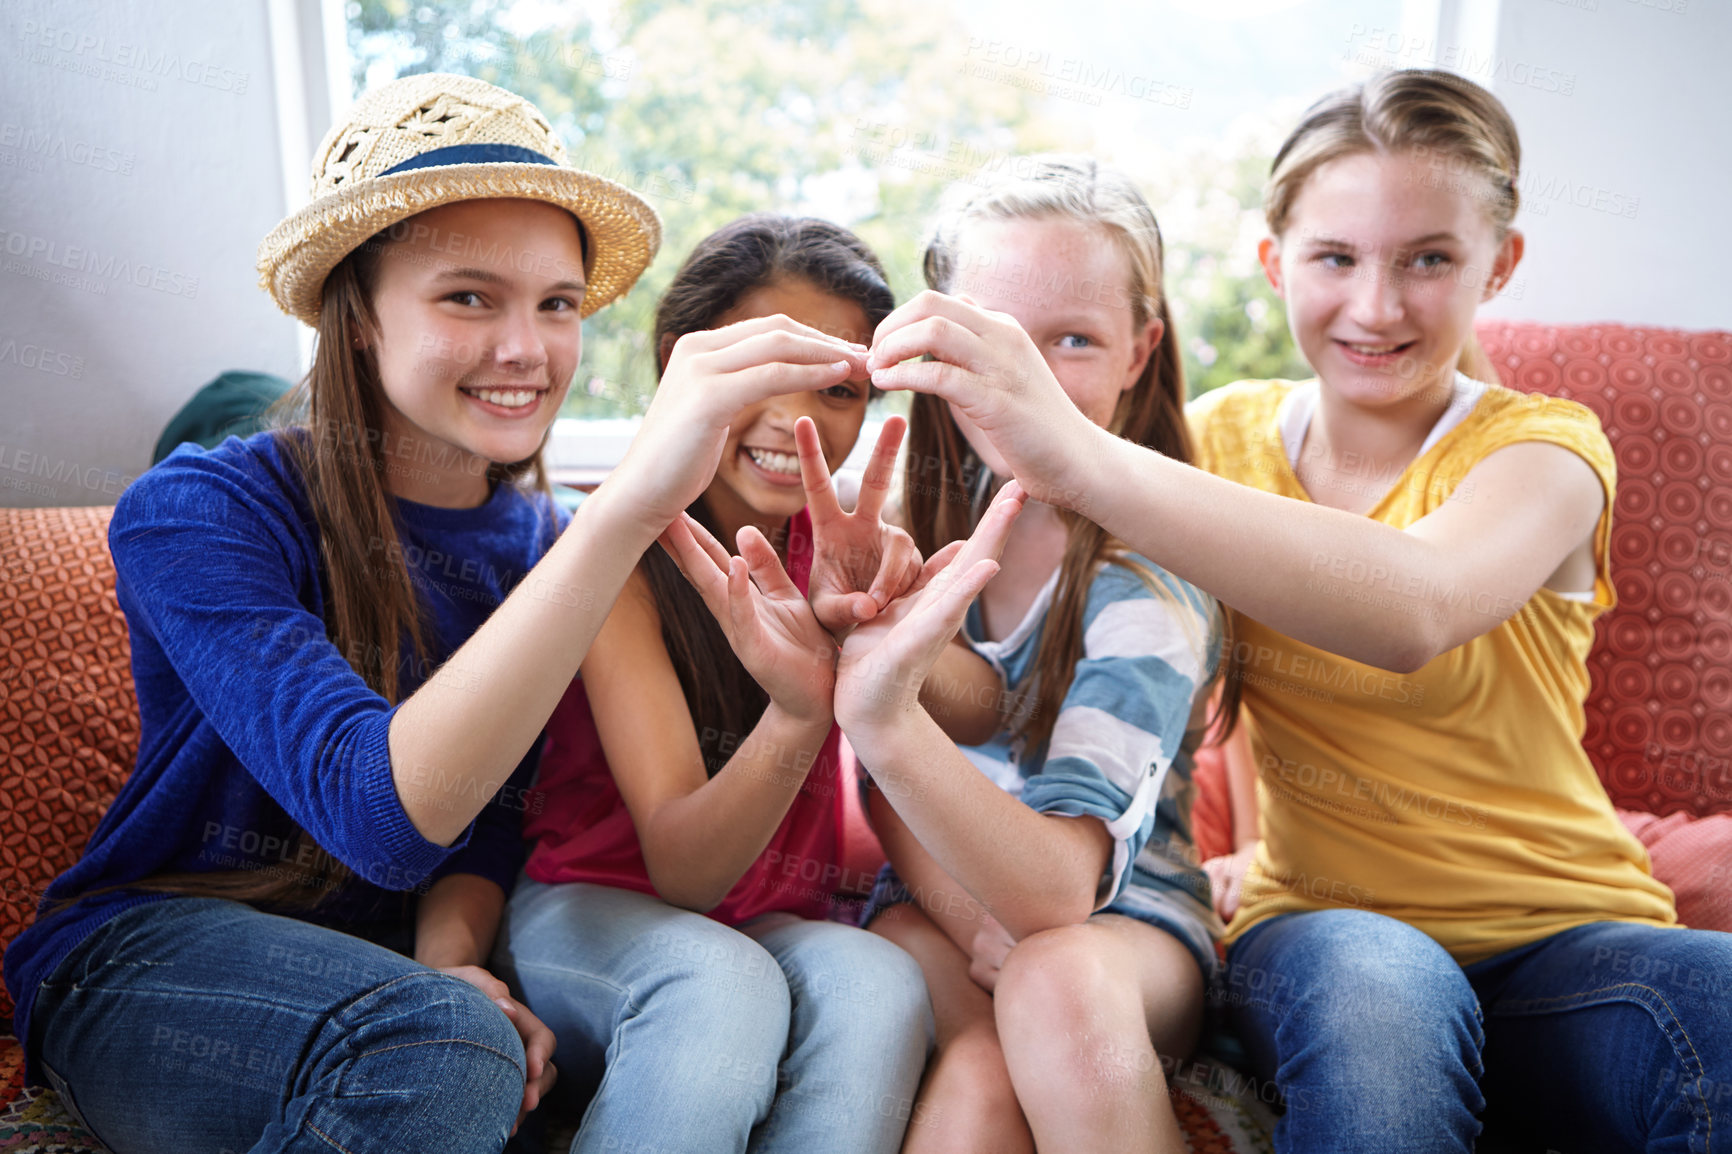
32, 1120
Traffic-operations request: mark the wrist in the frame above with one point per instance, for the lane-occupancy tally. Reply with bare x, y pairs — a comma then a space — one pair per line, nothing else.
1091, 455
610, 519
886, 739
444, 947
812, 720
875, 698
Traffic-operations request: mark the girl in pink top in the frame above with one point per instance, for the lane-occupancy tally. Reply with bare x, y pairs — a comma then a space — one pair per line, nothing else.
691, 770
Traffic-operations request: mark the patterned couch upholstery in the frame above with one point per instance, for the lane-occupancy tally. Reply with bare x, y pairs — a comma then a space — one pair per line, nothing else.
1659, 721
1660, 715
68, 736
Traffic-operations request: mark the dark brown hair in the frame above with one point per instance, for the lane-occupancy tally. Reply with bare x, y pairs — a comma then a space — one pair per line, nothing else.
1151, 413
753, 251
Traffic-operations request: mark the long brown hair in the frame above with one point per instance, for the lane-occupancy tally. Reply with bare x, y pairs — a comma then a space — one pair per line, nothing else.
753, 251
1461, 130
331, 426
945, 483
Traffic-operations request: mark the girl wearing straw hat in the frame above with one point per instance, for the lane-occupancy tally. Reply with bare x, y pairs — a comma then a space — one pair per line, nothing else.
347, 633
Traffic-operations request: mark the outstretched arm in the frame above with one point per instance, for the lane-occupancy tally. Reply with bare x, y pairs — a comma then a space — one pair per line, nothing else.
1270, 557
1031, 871
475, 719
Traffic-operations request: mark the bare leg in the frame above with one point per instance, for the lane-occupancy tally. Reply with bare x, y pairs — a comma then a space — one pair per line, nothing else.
1081, 1013
966, 1103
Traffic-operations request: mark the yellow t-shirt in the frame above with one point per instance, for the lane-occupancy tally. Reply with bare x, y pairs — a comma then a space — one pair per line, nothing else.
1456, 798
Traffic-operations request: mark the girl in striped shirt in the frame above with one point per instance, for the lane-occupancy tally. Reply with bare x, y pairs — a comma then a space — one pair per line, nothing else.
1045, 878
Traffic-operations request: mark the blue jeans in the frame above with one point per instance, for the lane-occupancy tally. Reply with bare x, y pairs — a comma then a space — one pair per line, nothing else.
1609, 1036
201, 1026
685, 1035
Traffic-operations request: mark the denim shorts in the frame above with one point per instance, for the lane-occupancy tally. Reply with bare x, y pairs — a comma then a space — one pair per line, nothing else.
1146, 904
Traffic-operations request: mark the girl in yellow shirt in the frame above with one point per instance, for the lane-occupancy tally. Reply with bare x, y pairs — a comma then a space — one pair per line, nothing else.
1445, 926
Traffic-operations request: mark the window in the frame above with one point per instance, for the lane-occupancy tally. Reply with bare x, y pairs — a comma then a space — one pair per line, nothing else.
863, 112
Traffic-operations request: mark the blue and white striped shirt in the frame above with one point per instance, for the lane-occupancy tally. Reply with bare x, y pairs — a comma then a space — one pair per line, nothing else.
1117, 750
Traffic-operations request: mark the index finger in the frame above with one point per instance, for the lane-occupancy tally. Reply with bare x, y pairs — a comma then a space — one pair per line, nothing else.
787, 346
717, 551
776, 321
988, 539
929, 303
880, 470
815, 474
697, 564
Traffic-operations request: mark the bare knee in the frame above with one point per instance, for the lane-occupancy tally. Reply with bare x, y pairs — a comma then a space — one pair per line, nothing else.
1070, 1014
968, 1102
1059, 980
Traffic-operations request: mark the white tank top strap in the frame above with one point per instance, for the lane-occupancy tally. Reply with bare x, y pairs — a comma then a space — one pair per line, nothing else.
1294, 416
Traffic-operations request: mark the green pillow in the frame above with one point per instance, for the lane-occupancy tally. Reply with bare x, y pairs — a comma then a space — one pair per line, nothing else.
233, 405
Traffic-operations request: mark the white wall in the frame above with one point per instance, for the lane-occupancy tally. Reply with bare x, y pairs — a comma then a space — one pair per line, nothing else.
1625, 112
140, 164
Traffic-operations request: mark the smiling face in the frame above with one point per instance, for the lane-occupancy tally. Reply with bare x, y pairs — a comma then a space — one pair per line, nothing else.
1068, 284
1382, 265
758, 480
478, 306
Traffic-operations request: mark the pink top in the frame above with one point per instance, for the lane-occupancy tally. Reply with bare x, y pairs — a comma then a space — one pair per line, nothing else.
583, 832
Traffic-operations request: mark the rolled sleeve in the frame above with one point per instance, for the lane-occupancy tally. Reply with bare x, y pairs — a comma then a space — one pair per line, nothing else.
1146, 655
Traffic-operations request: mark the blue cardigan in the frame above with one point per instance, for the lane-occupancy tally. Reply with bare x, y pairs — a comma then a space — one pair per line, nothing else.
250, 716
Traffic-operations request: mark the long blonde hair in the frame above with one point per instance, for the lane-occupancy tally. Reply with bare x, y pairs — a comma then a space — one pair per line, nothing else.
1460, 128
946, 507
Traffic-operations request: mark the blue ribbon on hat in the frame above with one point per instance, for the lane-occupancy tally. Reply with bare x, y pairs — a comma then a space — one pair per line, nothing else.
472, 154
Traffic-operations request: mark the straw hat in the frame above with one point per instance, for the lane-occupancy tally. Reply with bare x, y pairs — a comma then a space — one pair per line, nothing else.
433, 139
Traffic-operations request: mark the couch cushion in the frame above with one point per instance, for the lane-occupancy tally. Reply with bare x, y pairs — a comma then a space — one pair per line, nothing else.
1692, 855
68, 714
1212, 804
1659, 717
